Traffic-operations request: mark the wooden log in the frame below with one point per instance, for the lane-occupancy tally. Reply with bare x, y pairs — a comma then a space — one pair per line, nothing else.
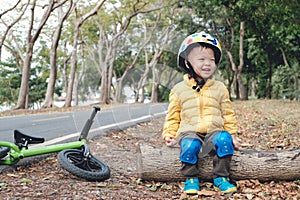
162, 164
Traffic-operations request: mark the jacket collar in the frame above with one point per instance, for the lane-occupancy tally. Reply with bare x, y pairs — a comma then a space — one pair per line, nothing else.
191, 81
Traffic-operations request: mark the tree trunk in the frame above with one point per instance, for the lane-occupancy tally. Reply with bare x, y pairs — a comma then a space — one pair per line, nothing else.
107, 68
53, 56
242, 90
110, 76
163, 164
24, 88
104, 87
119, 28
69, 95
79, 23
31, 39
230, 79
75, 89
132, 65
155, 85
270, 74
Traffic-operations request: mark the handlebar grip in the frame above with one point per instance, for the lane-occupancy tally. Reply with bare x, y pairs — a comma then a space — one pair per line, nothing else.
97, 108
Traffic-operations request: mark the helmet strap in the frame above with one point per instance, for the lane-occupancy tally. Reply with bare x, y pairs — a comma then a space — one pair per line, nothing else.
199, 84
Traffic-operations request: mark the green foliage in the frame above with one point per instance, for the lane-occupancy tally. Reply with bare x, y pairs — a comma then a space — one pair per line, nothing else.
37, 86
270, 27
90, 81
123, 60
10, 79
163, 94
273, 26
285, 82
272, 30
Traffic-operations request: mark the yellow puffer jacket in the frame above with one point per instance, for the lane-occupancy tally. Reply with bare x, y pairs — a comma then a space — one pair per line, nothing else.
204, 112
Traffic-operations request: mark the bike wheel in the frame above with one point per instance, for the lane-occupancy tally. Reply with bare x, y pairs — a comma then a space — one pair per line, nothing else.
89, 168
4, 151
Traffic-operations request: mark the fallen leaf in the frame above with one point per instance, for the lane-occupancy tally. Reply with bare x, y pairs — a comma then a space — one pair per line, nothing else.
3, 185
153, 187
25, 180
12, 175
249, 196
204, 192
102, 184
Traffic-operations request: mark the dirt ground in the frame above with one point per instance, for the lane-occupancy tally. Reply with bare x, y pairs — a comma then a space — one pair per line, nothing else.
264, 125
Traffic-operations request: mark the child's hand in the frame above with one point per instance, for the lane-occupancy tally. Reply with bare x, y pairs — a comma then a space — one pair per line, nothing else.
169, 141
236, 142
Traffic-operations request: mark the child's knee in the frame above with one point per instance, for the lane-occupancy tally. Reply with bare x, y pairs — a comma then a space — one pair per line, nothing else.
190, 148
223, 143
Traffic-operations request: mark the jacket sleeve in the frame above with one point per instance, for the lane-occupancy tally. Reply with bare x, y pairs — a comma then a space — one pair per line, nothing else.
172, 120
230, 122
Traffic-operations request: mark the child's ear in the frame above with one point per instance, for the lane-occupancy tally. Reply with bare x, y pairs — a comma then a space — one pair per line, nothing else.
186, 64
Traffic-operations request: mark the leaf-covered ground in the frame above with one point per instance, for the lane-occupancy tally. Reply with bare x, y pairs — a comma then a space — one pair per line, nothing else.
264, 124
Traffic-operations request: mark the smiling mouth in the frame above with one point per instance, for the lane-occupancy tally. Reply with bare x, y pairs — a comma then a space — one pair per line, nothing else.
206, 70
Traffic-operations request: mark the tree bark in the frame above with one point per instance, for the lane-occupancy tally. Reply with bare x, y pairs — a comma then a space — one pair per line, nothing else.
242, 90
133, 63
53, 56
163, 164
120, 27
31, 39
164, 39
78, 25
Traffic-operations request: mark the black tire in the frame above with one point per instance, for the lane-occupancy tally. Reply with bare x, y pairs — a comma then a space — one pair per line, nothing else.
89, 168
4, 151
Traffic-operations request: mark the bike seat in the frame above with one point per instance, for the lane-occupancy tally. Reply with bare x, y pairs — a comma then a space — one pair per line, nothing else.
22, 139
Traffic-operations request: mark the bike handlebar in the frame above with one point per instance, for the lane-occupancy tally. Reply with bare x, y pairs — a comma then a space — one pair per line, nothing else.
88, 123
97, 108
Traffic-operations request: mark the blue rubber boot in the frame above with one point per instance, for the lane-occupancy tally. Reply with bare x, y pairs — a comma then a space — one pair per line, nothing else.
191, 186
222, 184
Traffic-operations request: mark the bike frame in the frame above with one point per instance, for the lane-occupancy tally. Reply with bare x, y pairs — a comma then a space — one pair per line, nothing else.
16, 153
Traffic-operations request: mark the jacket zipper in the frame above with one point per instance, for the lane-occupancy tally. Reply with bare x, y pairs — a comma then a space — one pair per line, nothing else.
201, 105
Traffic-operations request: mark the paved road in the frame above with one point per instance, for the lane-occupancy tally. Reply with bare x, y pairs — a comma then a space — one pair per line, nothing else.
58, 127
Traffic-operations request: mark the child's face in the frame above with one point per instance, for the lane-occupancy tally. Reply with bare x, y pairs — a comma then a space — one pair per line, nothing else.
203, 61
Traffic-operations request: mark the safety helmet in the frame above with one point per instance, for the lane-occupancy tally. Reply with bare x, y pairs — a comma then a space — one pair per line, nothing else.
195, 39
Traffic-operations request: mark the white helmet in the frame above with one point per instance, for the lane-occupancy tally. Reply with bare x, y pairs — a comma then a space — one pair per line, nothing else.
202, 38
